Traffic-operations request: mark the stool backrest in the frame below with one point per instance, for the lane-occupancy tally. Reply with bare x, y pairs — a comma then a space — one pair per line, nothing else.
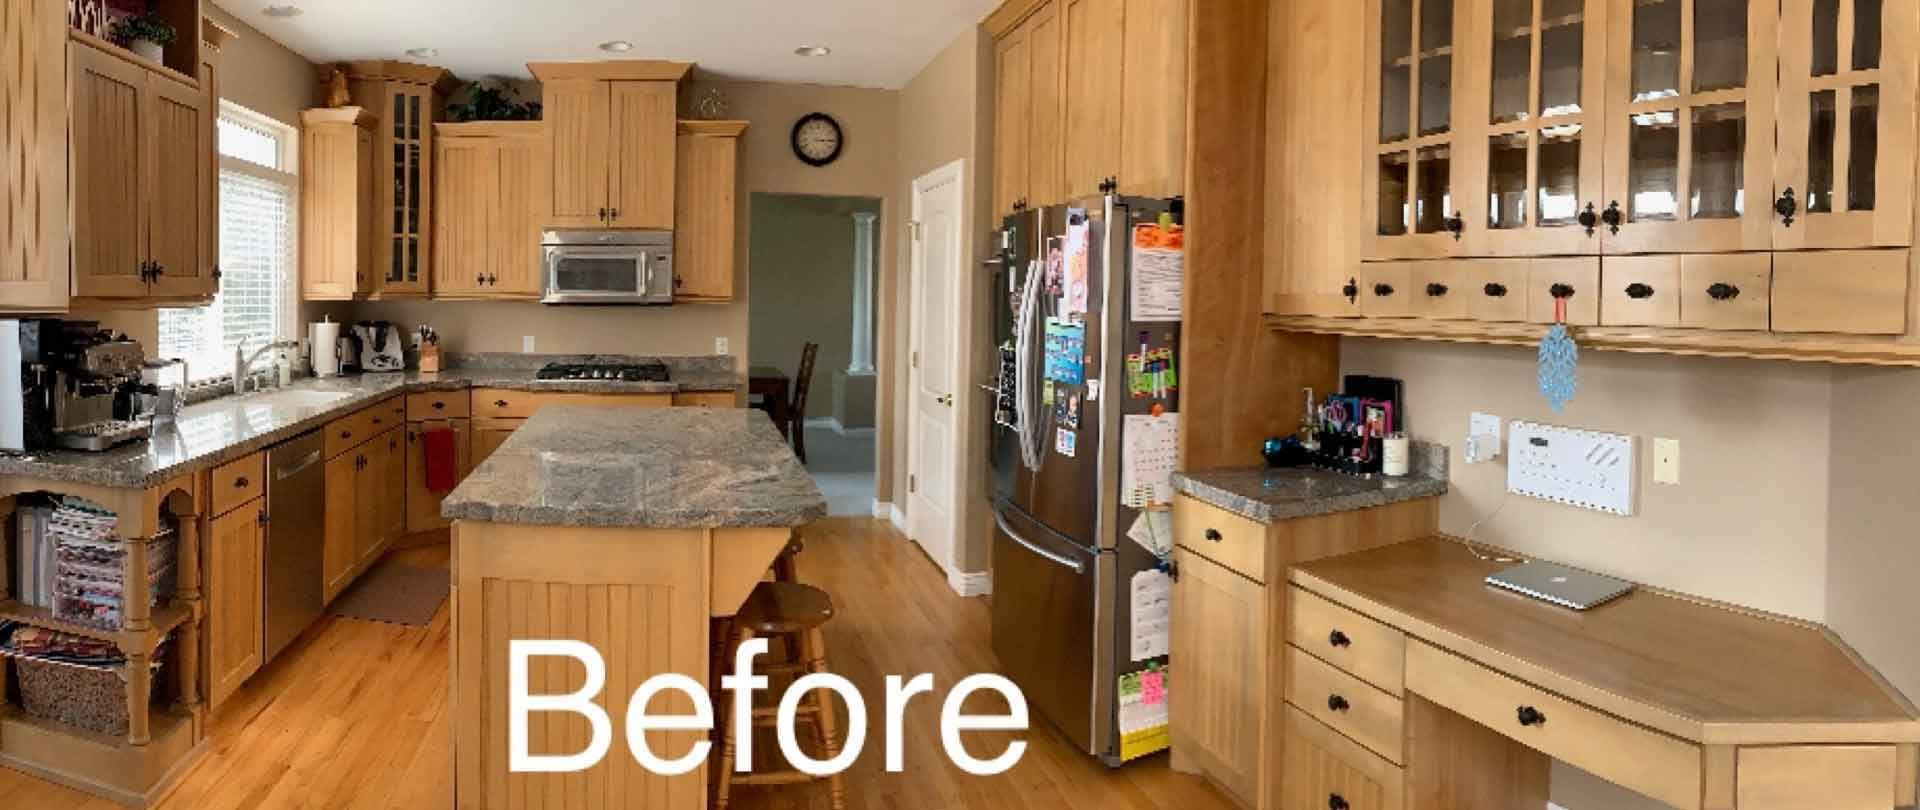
803, 380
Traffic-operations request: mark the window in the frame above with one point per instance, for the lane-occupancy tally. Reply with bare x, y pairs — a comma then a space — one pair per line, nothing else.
259, 205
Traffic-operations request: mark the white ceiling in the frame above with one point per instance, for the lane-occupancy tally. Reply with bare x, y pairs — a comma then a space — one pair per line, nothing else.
876, 43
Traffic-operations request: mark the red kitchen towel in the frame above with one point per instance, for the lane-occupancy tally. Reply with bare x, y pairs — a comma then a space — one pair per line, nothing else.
443, 463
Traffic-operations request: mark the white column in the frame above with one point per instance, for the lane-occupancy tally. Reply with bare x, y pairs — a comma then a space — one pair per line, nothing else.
862, 362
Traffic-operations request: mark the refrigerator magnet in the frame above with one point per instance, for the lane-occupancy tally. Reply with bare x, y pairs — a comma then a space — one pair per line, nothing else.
1063, 442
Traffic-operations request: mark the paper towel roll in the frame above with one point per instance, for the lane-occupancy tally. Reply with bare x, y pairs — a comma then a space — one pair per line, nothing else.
325, 344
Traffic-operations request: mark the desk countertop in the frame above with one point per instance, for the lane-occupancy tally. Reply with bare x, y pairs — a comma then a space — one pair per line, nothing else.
1700, 671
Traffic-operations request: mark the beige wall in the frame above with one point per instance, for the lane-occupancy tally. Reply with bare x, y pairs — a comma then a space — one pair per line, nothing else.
946, 114
1748, 521
1873, 539
802, 256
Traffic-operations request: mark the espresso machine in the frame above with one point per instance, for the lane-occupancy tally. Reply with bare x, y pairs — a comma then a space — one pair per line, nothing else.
69, 385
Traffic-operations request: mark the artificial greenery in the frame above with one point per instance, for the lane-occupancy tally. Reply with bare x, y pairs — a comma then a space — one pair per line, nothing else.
149, 26
490, 103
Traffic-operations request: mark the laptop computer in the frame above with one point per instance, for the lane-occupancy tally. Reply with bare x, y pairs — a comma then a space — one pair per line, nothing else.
1561, 585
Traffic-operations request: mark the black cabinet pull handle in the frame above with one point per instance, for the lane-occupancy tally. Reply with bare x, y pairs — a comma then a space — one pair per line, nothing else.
241, 482
1383, 290
1638, 291
1351, 290
439, 406
1561, 291
1613, 218
1722, 291
1530, 716
613, 214
1339, 639
260, 518
1786, 207
1338, 703
1436, 289
479, 279
1589, 219
603, 215
1495, 289
499, 403
1213, 535
492, 280
1336, 801
216, 272
1457, 225
346, 434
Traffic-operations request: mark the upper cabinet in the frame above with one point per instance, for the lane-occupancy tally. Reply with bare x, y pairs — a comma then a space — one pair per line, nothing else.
612, 136
405, 99
336, 203
707, 209
33, 144
487, 230
1090, 96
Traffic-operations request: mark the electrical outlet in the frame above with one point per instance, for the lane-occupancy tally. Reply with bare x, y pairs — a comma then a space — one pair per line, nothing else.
1483, 437
1666, 461
719, 345
526, 344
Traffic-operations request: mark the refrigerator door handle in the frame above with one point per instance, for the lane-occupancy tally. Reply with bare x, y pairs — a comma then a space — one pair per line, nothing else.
1064, 562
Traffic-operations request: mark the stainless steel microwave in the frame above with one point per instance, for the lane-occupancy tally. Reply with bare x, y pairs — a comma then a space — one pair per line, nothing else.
608, 267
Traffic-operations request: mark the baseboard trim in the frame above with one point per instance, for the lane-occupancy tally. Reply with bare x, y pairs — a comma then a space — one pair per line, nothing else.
970, 583
834, 425
881, 508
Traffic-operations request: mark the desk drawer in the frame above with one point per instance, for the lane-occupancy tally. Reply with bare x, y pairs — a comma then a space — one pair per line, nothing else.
1359, 646
438, 405
1369, 716
1235, 542
1644, 761
237, 482
1320, 768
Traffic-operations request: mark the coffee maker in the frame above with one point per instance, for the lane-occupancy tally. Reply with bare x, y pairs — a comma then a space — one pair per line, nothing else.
69, 385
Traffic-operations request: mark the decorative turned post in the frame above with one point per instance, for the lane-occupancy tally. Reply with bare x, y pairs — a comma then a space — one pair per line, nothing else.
138, 673
187, 583
136, 612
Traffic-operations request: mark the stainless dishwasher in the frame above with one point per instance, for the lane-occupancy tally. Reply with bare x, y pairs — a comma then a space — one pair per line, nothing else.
296, 532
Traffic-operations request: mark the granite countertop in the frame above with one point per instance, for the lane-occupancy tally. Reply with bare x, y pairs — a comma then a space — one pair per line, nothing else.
216, 431
657, 468
1273, 495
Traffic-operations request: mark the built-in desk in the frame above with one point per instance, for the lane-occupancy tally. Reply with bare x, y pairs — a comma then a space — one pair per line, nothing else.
1415, 685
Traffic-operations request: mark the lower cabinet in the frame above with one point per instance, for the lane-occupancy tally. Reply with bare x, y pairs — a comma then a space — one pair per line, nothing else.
1321, 769
489, 434
365, 508
423, 504
1220, 694
236, 606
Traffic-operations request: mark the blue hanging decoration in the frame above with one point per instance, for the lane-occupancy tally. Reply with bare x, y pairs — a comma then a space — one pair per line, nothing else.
1559, 360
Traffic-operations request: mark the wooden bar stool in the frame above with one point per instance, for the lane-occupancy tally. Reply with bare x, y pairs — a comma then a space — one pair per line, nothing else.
796, 613
786, 567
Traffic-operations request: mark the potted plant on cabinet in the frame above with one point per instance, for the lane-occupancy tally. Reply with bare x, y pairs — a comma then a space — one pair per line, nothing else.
147, 34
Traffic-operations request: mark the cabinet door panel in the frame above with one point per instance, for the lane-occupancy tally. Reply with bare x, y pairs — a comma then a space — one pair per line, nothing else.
1386, 289
336, 201
489, 434
236, 604
1045, 33
177, 149
402, 253
1013, 93
423, 505
1219, 709
513, 231
1322, 769
1153, 114
33, 140
1496, 290
1640, 291
1096, 34
1726, 290
468, 177
644, 125
703, 259
106, 130
337, 549
1440, 290
578, 133
1419, 179
1856, 292
1690, 130
370, 514
1846, 123
1312, 181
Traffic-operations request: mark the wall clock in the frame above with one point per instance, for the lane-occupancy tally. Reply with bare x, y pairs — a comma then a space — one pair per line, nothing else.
817, 139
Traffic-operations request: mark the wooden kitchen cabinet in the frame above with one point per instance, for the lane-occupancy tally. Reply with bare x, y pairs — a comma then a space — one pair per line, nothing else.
176, 199
336, 203
611, 134
1125, 96
1417, 174
489, 434
338, 548
33, 43
1311, 268
423, 504
406, 100
1220, 691
1029, 160
1324, 769
236, 599
366, 492
704, 261
486, 228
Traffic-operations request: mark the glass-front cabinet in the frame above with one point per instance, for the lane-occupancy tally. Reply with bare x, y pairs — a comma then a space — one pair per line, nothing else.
1846, 124
1542, 99
1413, 172
407, 98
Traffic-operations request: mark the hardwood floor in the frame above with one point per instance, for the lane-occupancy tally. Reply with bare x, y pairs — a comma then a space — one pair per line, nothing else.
353, 716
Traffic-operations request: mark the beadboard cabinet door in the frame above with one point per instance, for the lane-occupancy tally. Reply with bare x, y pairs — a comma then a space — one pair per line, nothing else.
34, 260
107, 153
644, 138
336, 204
579, 134
174, 197
1013, 102
236, 605
705, 224
1218, 717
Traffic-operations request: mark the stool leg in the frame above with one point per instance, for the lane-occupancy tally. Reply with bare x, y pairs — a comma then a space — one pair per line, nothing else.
724, 784
815, 650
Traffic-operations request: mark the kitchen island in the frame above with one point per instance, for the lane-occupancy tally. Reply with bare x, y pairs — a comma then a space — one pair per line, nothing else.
627, 530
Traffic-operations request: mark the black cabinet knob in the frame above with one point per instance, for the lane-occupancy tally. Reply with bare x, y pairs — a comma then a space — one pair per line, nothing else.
1786, 207
216, 272
1338, 703
439, 406
1613, 218
1589, 219
1560, 290
346, 434
1457, 225
1383, 290
1721, 291
1495, 289
1339, 639
1213, 535
1336, 801
1530, 716
241, 482
1638, 291
1436, 289
499, 403
1351, 290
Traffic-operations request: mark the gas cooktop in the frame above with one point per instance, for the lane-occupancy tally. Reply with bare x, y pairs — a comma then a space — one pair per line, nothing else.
620, 372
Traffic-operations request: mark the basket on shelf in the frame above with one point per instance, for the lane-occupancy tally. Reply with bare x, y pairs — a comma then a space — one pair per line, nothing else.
71, 680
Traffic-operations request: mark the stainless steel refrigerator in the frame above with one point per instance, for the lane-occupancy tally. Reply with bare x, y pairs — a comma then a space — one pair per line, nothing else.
1061, 561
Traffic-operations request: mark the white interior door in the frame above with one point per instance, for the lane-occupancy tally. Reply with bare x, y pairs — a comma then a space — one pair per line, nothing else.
933, 358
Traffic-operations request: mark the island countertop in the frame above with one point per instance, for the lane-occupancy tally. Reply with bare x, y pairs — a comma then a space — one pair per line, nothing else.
653, 468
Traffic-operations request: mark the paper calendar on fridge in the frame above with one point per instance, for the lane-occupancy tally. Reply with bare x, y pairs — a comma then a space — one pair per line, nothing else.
1149, 447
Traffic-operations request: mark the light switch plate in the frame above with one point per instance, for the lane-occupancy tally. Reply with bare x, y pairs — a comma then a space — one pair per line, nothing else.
719, 345
1483, 437
526, 344
1666, 461
1584, 468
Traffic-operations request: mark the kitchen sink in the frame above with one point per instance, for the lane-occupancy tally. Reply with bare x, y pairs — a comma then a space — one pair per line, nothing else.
295, 399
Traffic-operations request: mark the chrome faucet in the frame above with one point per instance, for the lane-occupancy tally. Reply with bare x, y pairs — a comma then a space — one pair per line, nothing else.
243, 362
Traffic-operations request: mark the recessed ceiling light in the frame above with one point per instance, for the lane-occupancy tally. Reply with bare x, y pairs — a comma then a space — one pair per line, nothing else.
616, 46
422, 53
282, 12
812, 50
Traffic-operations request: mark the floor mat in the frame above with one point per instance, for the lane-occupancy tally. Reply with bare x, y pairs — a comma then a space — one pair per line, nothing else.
395, 593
